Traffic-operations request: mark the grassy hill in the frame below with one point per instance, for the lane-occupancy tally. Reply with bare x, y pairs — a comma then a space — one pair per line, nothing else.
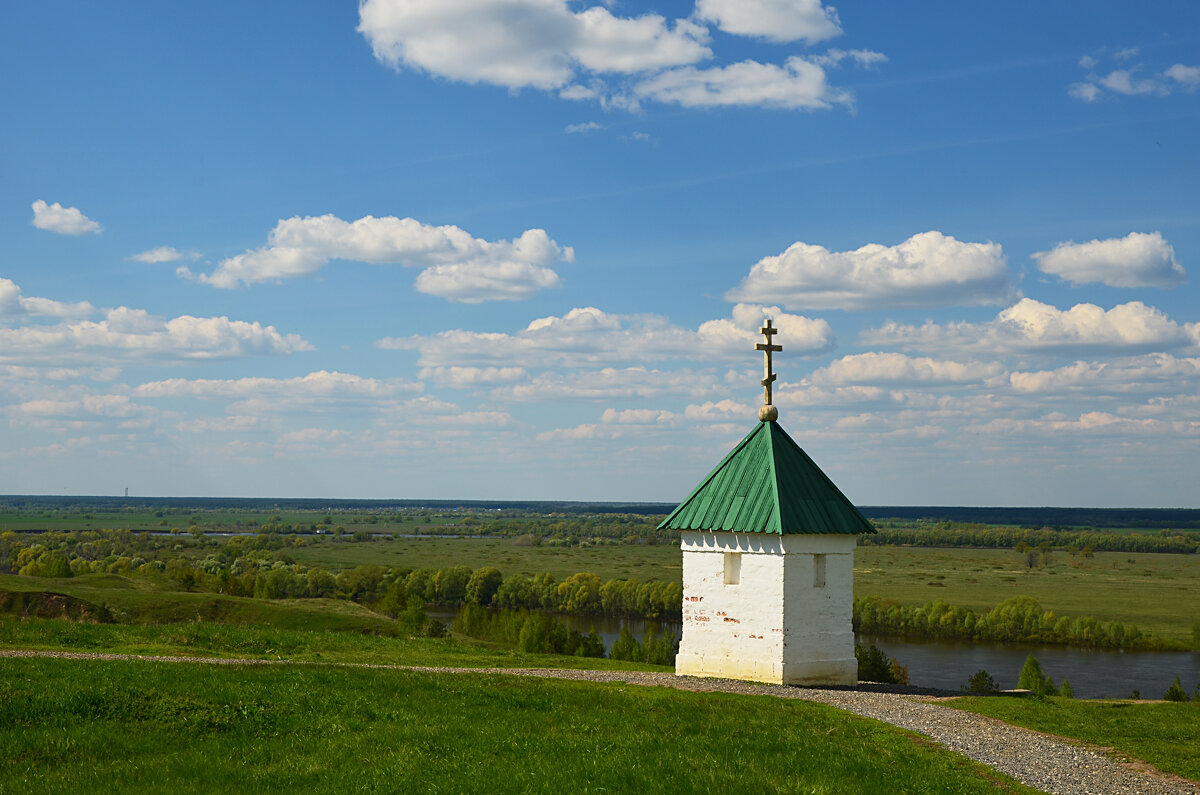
126, 726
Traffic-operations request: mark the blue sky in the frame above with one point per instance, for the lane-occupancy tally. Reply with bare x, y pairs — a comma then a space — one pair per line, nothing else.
520, 250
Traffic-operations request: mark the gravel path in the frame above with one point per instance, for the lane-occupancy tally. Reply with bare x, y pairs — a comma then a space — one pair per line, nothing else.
1038, 760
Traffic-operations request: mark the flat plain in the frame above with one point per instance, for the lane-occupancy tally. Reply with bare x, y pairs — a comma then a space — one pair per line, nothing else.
1160, 593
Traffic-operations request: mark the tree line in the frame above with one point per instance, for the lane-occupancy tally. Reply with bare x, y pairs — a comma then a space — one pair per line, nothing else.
953, 534
1019, 619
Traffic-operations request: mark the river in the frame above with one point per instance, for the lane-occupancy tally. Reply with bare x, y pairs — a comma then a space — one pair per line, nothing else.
948, 664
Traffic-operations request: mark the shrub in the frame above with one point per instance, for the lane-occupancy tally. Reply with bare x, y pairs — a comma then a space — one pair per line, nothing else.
982, 682
1065, 690
1175, 692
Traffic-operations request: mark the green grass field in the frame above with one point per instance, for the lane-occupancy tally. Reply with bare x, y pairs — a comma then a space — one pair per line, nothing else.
68, 725
1165, 734
223, 520
619, 561
1157, 592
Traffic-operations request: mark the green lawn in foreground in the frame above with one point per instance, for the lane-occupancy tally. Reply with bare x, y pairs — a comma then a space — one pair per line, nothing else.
90, 726
1165, 734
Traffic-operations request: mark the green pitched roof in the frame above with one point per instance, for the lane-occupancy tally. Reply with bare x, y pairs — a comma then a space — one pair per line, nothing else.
767, 484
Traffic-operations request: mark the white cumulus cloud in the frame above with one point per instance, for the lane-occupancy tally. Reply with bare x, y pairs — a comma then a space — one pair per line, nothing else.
799, 83
321, 383
523, 43
456, 265
587, 336
1136, 260
774, 20
928, 269
63, 220
125, 334
1032, 326
589, 53
897, 368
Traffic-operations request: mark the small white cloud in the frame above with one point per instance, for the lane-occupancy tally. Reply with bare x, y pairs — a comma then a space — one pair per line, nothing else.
63, 220
639, 417
1129, 81
774, 20
720, 411
1032, 326
1126, 53
864, 58
583, 127
928, 269
1136, 260
457, 266
1123, 81
1088, 92
798, 84
1186, 76
164, 254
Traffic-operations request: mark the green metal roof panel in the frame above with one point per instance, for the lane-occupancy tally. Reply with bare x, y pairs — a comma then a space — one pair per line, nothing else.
767, 484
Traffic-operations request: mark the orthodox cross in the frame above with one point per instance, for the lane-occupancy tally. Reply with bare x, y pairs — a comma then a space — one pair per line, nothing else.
768, 348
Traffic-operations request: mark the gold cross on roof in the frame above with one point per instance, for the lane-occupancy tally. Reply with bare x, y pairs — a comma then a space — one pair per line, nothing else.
768, 412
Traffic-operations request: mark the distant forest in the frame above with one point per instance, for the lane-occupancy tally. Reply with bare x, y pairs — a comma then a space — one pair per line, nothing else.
1171, 518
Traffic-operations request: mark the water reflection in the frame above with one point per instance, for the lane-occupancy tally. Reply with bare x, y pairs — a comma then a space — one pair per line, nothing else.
948, 664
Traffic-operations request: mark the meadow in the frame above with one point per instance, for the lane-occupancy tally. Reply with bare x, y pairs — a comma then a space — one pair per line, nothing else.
130, 726
1165, 734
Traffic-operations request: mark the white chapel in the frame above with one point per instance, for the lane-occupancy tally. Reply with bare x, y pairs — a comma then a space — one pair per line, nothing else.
768, 563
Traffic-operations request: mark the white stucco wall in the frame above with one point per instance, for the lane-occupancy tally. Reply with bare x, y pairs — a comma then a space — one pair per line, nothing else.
773, 625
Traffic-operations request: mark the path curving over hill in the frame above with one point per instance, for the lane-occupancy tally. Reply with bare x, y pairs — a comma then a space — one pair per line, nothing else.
1037, 760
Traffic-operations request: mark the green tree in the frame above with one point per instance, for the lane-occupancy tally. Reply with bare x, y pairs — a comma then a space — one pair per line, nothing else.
626, 647
515, 593
450, 585
1175, 692
1033, 679
483, 585
1065, 690
873, 664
